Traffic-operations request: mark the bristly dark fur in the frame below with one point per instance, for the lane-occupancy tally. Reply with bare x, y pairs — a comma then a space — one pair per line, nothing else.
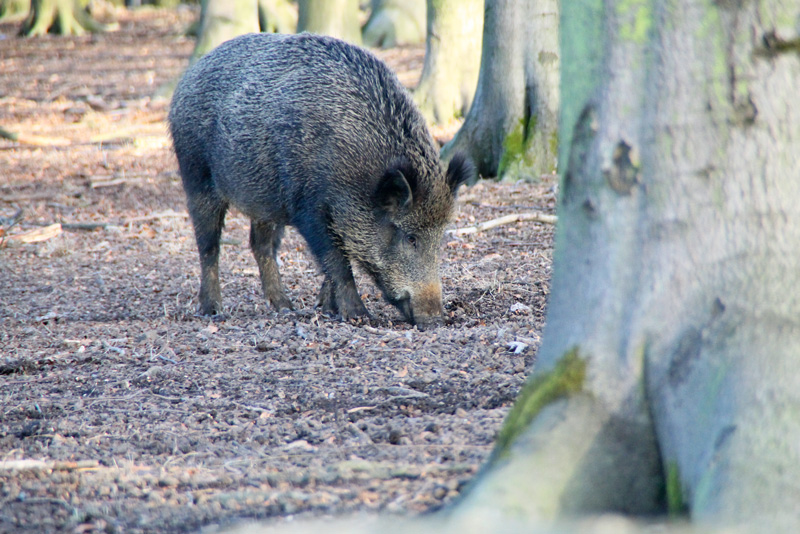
303, 130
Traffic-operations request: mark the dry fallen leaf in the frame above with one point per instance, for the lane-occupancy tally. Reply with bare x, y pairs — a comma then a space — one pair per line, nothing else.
210, 329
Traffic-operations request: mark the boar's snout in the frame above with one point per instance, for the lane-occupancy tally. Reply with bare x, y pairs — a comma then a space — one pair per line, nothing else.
422, 305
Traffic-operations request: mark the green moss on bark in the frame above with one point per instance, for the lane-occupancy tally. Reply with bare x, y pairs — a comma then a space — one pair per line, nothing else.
515, 147
523, 149
636, 18
566, 378
676, 506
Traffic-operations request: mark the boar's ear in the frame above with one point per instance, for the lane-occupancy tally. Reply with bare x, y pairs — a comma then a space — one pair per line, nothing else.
460, 171
393, 192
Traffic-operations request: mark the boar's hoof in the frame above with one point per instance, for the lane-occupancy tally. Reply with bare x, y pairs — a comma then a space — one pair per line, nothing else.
209, 308
282, 304
326, 301
353, 310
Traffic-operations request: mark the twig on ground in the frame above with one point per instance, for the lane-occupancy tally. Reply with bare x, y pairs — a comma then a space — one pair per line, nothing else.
507, 219
37, 140
360, 409
168, 359
34, 236
84, 226
96, 182
29, 464
37, 195
154, 216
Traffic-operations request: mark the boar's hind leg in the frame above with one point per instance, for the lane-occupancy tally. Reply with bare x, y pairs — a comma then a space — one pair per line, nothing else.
208, 217
265, 238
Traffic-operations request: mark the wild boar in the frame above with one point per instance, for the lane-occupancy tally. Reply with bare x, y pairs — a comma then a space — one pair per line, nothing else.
313, 132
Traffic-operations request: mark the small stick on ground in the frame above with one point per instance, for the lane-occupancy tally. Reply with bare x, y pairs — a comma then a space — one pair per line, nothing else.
96, 182
507, 219
155, 216
35, 236
35, 195
41, 465
37, 140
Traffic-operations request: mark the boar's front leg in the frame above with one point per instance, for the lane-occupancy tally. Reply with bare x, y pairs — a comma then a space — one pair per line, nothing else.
338, 294
328, 303
326, 300
265, 239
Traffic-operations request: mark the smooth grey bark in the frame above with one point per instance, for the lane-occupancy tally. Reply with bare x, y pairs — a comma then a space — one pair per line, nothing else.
511, 130
222, 20
395, 23
452, 59
337, 18
669, 373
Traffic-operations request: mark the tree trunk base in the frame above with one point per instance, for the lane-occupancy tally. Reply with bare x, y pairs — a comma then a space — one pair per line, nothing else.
62, 17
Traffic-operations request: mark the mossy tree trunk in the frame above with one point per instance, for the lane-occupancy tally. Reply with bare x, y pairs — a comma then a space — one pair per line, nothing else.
222, 20
452, 59
64, 17
669, 375
511, 130
337, 18
394, 23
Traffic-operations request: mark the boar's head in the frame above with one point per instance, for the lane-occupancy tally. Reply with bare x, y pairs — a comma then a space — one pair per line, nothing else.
411, 212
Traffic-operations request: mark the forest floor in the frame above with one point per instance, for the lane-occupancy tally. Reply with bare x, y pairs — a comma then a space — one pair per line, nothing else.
121, 410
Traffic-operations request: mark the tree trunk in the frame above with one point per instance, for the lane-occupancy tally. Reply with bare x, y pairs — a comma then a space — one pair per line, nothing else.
14, 10
511, 130
64, 17
668, 378
222, 20
337, 18
277, 16
395, 23
452, 59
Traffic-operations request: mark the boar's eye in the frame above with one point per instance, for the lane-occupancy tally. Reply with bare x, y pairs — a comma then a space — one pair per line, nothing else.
411, 239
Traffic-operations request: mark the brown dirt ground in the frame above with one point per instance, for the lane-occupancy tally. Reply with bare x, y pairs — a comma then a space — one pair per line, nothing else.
123, 411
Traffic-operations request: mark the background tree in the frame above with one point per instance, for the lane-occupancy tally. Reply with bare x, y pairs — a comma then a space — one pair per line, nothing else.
452, 59
221, 20
512, 127
394, 23
64, 17
669, 373
14, 10
337, 18
277, 16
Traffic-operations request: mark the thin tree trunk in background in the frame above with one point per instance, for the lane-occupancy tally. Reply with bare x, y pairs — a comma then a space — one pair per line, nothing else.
277, 16
452, 59
395, 23
14, 10
337, 18
511, 130
222, 20
669, 375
